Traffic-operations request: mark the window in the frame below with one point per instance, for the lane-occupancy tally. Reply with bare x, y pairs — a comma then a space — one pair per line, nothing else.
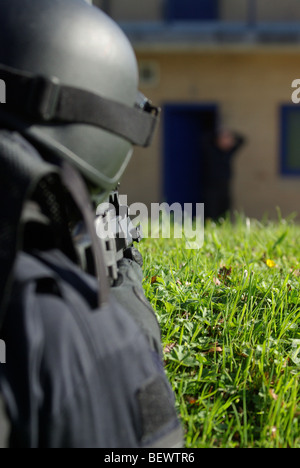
194, 10
290, 140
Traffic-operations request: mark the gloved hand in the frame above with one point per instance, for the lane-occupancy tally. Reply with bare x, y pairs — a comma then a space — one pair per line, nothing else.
129, 292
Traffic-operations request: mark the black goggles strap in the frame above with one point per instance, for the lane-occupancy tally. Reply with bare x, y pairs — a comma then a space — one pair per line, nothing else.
46, 100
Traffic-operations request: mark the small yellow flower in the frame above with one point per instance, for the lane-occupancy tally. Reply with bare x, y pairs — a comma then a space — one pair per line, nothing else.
270, 263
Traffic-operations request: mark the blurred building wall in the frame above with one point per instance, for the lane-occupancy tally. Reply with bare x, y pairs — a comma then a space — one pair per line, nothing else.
249, 89
249, 81
229, 10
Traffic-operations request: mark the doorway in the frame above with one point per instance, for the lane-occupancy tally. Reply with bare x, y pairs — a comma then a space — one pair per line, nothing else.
185, 127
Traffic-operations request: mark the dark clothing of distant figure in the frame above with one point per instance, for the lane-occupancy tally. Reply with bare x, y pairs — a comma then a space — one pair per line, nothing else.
217, 172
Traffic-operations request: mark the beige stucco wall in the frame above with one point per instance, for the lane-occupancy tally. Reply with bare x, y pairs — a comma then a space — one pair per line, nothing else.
278, 10
229, 10
249, 88
266, 10
133, 10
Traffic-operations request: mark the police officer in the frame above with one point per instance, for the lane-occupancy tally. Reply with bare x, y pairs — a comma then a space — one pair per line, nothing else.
219, 153
84, 364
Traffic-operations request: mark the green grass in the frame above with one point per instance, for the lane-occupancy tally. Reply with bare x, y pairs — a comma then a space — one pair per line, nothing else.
230, 315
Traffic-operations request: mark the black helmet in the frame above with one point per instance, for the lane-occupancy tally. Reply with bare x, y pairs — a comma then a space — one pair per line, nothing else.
72, 85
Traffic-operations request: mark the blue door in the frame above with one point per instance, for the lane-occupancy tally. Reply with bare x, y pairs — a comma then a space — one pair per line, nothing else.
185, 127
192, 10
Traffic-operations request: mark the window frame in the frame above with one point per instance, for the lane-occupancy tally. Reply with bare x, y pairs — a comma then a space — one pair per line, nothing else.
284, 111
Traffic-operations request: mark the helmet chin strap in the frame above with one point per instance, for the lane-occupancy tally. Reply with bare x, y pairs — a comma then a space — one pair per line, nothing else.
46, 100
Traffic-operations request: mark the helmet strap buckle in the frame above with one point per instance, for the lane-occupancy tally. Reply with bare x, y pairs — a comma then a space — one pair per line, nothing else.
43, 98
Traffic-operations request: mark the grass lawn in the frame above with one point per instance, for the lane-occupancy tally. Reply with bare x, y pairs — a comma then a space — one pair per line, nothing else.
230, 319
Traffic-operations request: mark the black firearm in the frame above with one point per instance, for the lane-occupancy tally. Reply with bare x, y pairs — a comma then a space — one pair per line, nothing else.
116, 232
